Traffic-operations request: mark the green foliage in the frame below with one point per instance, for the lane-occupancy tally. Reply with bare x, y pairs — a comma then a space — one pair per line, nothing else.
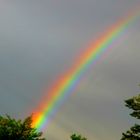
77, 137
134, 132
134, 104
11, 129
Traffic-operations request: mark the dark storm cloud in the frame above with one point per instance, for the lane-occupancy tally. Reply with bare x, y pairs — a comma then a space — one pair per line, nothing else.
41, 39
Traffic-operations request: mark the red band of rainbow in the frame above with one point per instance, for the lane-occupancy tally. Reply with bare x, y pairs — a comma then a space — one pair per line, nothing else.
64, 86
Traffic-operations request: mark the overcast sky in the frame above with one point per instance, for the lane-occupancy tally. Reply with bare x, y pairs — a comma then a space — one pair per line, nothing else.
40, 39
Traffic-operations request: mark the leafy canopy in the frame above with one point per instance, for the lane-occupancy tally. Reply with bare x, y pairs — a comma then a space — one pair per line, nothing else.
134, 132
11, 129
77, 137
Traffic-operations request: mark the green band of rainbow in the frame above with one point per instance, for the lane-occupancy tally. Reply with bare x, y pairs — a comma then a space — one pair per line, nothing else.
67, 83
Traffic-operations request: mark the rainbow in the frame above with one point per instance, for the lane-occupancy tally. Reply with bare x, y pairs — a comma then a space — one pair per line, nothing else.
67, 83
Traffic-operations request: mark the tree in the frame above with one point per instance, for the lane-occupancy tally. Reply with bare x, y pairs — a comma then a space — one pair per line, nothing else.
11, 129
134, 132
77, 137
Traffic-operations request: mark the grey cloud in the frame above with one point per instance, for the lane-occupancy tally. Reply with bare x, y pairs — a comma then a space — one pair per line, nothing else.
41, 39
